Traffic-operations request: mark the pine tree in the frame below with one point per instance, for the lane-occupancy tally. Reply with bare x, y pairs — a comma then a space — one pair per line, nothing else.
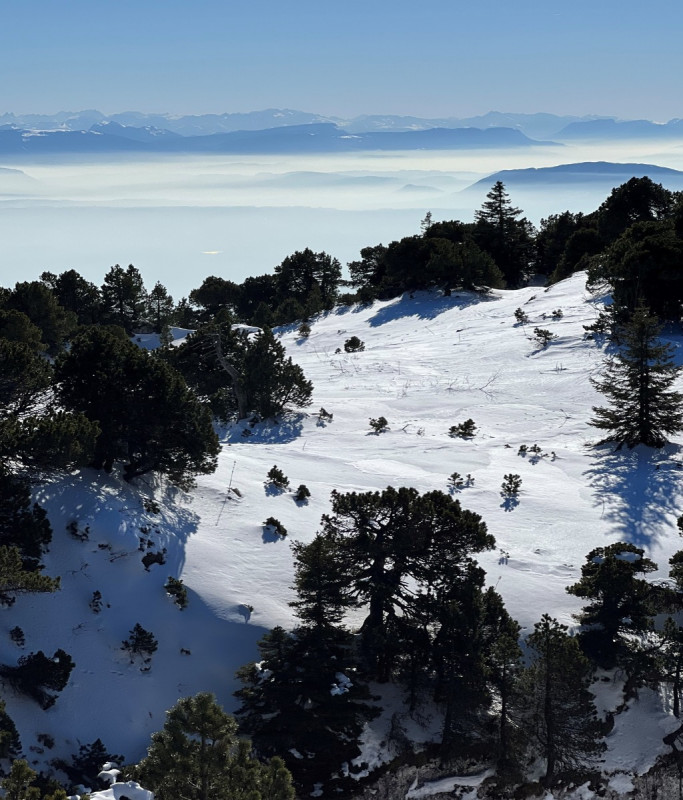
508, 240
560, 713
620, 603
197, 756
637, 383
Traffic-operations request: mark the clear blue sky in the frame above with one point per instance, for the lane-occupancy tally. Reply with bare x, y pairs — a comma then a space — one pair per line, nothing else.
438, 58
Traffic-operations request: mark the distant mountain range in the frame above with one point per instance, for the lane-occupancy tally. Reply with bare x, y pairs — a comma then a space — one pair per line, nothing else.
316, 137
602, 175
289, 131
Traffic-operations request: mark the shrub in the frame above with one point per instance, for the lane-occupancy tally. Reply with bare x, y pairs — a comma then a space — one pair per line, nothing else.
455, 481
325, 416
276, 526
543, 336
302, 493
304, 330
464, 430
511, 485
354, 345
557, 313
178, 592
521, 316
96, 602
379, 425
140, 643
17, 636
277, 478
35, 673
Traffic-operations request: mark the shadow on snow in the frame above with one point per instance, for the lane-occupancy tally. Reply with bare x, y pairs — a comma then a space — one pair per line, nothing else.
637, 489
425, 305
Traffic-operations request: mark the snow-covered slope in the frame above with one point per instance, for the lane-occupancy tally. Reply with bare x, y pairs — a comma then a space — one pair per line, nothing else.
429, 362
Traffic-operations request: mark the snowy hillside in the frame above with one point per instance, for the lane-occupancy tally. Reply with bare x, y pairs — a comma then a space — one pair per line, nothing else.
429, 362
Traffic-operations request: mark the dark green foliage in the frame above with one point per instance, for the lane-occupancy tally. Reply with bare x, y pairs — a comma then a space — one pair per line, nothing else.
15, 326
644, 266
76, 295
305, 695
10, 743
276, 526
272, 381
378, 543
301, 274
304, 330
159, 307
277, 478
22, 524
637, 383
178, 592
508, 240
463, 430
521, 316
637, 200
215, 295
379, 425
302, 493
16, 579
35, 673
148, 417
197, 756
140, 643
354, 345
511, 485
552, 239
241, 373
560, 719
39, 304
123, 297
669, 661
621, 602
543, 336
86, 765
17, 785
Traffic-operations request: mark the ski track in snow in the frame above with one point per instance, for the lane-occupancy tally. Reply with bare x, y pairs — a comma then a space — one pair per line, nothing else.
429, 362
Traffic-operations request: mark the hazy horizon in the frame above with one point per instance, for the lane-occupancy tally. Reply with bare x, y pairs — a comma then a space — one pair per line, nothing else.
236, 216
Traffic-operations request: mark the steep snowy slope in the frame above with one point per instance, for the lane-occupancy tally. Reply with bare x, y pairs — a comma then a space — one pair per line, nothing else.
429, 362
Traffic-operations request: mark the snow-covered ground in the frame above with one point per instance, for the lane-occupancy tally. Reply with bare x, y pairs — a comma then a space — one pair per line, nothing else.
430, 362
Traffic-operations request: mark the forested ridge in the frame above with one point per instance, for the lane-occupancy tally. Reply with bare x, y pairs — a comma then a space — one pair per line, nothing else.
389, 591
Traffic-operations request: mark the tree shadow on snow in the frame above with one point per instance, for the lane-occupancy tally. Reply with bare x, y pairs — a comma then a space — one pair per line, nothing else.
425, 305
285, 429
637, 489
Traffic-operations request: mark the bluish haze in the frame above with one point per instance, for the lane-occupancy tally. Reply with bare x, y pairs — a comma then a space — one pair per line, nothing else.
447, 57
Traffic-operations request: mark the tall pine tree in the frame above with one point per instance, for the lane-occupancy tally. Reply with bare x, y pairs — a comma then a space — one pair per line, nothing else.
643, 406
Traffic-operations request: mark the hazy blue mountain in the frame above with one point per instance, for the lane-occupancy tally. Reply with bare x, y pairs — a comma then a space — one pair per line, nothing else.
310, 138
605, 173
622, 129
149, 133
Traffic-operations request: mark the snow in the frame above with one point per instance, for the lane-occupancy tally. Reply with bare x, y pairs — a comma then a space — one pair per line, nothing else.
429, 362
446, 785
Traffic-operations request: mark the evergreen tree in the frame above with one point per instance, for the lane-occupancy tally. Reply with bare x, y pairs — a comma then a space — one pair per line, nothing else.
75, 294
35, 300
36, 673
123, 297
508, 240
10, 743
17, 785
621, 601
637, 382
305, 701
159, 306
16, 579
560, 713
382, 542
148, 417
197, 756
22, 524
302, 272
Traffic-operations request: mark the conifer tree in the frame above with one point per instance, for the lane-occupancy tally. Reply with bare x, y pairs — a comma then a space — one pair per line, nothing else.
643, 407
560, 713
197, 756
621, 602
